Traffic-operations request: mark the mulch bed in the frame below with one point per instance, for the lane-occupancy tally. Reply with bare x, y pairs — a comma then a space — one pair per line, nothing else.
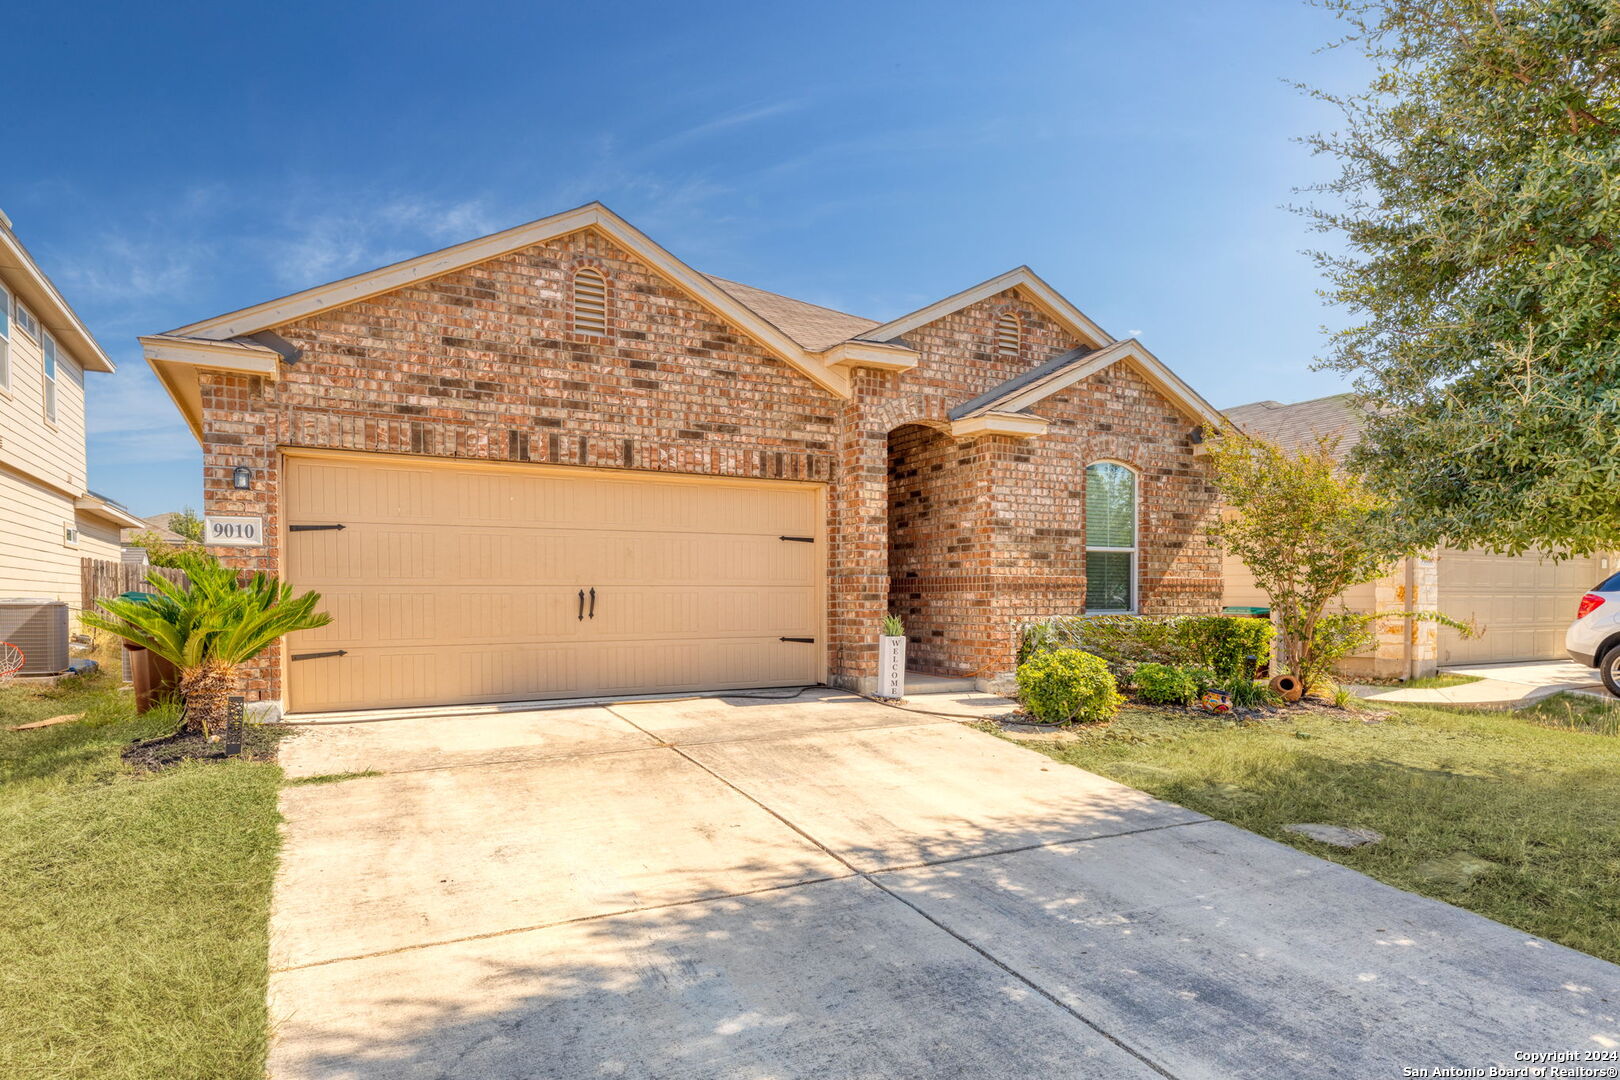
154, 755
1023, 723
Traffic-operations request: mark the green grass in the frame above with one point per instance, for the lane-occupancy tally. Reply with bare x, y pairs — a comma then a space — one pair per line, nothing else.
1536, 792
133, 906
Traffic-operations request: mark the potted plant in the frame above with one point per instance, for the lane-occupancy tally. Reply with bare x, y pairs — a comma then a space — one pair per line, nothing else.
208, 628
892, 658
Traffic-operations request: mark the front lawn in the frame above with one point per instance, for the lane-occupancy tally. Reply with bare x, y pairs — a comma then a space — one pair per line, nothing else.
133, 905
1535, 794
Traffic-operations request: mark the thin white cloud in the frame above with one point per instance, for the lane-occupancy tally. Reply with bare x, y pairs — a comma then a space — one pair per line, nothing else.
317, 248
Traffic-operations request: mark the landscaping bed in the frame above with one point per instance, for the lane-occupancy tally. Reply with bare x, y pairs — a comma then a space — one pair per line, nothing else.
134, 907
1507, 813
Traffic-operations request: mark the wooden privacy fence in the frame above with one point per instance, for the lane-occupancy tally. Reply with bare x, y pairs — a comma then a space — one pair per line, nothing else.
104, 577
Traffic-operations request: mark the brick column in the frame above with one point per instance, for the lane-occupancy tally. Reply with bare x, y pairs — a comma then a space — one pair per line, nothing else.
857, 535
241, 430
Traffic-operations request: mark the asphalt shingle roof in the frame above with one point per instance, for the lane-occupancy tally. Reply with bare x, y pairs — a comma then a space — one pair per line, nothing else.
1299, 426
814, 327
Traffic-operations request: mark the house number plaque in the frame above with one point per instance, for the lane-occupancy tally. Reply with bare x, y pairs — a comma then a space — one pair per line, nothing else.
233, 531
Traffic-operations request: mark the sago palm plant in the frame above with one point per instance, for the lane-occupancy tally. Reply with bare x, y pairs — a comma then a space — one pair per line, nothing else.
208, 628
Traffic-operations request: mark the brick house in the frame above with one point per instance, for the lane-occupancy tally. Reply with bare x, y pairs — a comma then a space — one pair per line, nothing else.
559, 462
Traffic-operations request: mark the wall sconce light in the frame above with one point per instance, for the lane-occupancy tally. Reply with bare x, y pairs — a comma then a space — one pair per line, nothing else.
241, 478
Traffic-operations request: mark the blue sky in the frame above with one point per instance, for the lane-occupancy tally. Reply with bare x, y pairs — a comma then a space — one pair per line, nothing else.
186, 159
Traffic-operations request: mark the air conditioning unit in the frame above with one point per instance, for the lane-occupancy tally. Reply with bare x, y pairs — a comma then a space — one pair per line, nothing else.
39, 627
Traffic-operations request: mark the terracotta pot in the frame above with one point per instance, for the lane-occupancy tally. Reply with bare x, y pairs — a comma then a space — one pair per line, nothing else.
1287, 687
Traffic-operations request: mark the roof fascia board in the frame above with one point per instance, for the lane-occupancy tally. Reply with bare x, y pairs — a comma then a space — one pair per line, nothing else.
91, 504
35, 289
1152, 368
350, 290
1018, 426
871, 354
1039, 292
232, 357
177, 362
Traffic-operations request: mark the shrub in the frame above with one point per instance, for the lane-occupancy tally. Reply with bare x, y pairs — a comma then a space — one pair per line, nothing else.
1217, 642
1160, 684
1064, 685
1203, 679
1224, 644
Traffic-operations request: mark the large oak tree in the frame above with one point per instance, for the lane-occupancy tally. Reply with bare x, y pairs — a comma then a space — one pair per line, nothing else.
1479, 212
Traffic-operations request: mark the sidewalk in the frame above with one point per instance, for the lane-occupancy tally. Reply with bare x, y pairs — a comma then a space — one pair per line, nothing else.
1500, 685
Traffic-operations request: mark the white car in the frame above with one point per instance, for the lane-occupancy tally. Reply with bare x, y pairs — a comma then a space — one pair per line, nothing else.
1593, 638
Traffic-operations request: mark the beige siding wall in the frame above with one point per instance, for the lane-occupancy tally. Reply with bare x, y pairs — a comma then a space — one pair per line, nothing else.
99, 539
54, 453
1388, 657
34, 559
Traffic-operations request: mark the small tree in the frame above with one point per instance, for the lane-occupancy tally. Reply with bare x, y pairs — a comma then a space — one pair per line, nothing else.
187, 524
209, 628
1306, 530
160, 552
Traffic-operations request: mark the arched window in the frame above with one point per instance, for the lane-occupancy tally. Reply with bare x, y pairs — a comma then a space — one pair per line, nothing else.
1110, 538
590, 302
1009, 336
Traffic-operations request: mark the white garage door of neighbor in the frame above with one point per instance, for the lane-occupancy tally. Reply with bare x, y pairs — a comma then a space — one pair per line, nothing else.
1524, 603
455, 583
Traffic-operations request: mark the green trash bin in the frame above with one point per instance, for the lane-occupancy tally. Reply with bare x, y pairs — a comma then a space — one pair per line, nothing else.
1238, 611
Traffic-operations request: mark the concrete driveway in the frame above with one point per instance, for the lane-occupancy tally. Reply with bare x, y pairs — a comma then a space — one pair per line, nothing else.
826, 887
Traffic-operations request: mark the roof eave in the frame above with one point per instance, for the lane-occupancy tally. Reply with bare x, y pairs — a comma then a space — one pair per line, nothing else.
36, 289
273, 313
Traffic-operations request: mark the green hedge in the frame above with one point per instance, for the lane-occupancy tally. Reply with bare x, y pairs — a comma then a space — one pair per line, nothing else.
1217, 642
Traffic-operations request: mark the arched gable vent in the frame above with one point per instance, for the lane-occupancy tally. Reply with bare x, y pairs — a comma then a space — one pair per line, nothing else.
590, 302
1009, 335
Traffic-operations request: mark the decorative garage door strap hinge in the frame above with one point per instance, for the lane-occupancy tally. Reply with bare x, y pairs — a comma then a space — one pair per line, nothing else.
799, 539
318, 655
806, 640
312, 528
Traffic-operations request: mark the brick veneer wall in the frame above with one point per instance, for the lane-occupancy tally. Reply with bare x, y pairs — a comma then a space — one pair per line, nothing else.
481, 364
941, 548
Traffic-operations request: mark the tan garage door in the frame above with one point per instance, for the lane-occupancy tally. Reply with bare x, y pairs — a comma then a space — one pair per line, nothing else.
1524, 604
464, 583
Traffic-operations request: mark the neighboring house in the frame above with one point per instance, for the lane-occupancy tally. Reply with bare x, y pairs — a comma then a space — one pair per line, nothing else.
559, 462
157, 525
1522, 604
49, 518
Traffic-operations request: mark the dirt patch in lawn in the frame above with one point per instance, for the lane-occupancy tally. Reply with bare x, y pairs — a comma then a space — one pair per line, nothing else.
154, 755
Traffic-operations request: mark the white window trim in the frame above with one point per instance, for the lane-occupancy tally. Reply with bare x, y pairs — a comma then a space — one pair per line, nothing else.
49, 384
1135, 550
5, 341
70, 534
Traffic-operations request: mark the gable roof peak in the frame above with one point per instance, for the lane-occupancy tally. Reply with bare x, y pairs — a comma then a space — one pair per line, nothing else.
1022, 278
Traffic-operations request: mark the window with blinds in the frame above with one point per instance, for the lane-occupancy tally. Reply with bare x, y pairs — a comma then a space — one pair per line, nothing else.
590, 302
1009, 336
1110, 538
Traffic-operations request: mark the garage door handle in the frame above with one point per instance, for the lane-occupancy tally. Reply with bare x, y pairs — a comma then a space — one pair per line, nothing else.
593, 601
582, 605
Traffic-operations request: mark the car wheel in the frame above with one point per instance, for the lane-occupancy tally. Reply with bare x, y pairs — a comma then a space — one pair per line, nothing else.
1609, 668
